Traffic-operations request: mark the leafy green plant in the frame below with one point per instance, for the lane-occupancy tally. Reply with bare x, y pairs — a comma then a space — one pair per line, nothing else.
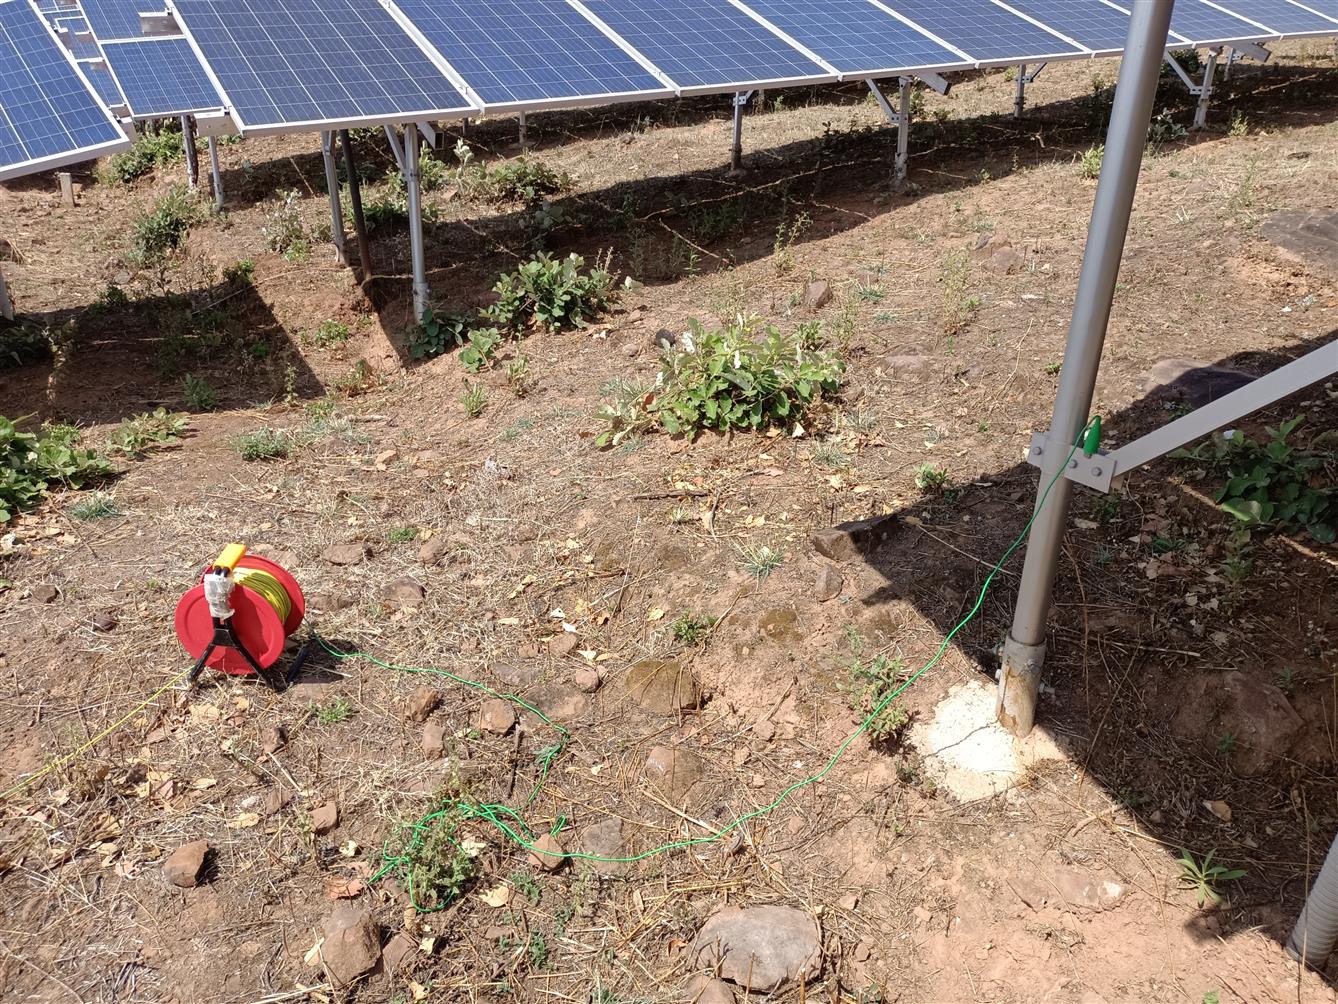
528, 886
338, 710
520, 180
1273, 484
432, 861
437, 333
1226, 743
263, 444
1164, 129
200, 396
473, 399
23, 344
869, 685
737, 377
401, 534
691, 628
112, 297
97, 505
148, 430
760, 560
551, 293
481, 350
161, 231
1089, 165
1204, 876
329, 334
930, 479
518, 375
285, 232
163, 146
240, 273
627, 413
33, 464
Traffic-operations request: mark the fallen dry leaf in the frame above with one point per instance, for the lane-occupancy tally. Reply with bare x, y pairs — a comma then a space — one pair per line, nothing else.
655, 614
343, 888
498, 897
243, 821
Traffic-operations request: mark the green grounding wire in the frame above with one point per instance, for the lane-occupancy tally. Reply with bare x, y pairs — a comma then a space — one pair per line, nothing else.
511, 824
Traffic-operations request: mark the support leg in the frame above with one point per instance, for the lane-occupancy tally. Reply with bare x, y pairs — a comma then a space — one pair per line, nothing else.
355, 204
336, 208
1206, 91
414, 191
1020, 91
524, 143
1024, 651
216, 175
6, 307
188, 142
903, 132
736, 149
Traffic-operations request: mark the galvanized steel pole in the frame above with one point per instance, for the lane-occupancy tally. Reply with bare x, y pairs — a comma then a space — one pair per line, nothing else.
416, 248
337, 234
215, 174
1024, 651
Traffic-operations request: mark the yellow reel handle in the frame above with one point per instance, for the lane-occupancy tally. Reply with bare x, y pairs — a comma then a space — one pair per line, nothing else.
231, 555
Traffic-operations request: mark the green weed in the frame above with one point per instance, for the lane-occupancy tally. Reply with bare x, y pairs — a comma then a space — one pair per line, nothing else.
691, 628
869, 686
98, 505
1203, 877
34, 464
161, 231
198, 393
263, 444
145, 431
473, 399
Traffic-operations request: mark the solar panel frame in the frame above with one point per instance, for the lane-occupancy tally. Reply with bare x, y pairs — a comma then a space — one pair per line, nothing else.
114, 20
1294, 13
691, 82
796, 20
151, 94
472, 84
99, 76
54, 153
1186, 14
309, 62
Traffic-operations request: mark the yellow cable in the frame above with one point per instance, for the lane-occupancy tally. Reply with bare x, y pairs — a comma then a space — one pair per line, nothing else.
80, 751
268, 588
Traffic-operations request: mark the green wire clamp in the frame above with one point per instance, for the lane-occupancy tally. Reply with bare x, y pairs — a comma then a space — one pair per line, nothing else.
1090, 440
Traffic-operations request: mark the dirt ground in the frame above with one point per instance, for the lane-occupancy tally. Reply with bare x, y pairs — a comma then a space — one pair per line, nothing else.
1186, 708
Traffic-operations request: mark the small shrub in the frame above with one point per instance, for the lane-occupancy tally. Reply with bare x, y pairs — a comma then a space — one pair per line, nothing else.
285, 232
263, 444
148, 430
474, 399
166, 146
1089, 166
1273, 485
691, 628
1240, 126
241, 273
200, 396
329, 334
627, 413
929, 478
34, 464
24, 344
737, 378
1164, 129
358, 380
338, 710
520, 180
870, 684
433, 861
98, 505
112, 298
437, 333
551, 293
161, 231
481, 350
955, 279
401, 534
518, 376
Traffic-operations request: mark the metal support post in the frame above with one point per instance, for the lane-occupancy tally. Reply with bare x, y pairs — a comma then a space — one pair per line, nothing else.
1206, 89
215, 174
188, 142
1020, 91
355, 204
6, 306
412, 186
736, 149
902, 163
336, 208
1024, 651
524, 144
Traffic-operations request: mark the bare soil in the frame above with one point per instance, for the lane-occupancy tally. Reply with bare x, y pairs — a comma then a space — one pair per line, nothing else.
953, 348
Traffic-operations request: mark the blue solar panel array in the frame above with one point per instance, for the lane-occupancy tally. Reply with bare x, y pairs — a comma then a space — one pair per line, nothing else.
706, 43
113, 19
857, 37
985, 30
1288, 18
511, 51
48, 114
1091, 23
308, 64
161, 76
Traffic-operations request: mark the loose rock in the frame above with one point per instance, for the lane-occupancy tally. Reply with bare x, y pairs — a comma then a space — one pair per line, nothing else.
352, 944
403, 592
515, 674
701, 989
817, 294
397, 950
552, 860
674, 771
325, 817
586, 679
274, 739
829, 584
45, 593
662, 686
434, 740
563, 644
105, 622
422, 702
1080, 890
497, 716
853, 539
767, 948
604, 839
345, 554
560, 702
433, 549
183, 866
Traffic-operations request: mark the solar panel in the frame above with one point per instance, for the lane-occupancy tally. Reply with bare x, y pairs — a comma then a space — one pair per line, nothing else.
1097, 25
112, 19
857, 37
1203, 25
103, 83
74, 33
49, 116
526, 52
707, 45
335, 64
1286, 18
984, 30
161, 76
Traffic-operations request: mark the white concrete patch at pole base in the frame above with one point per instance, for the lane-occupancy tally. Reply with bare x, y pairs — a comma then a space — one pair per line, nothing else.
1135, 92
